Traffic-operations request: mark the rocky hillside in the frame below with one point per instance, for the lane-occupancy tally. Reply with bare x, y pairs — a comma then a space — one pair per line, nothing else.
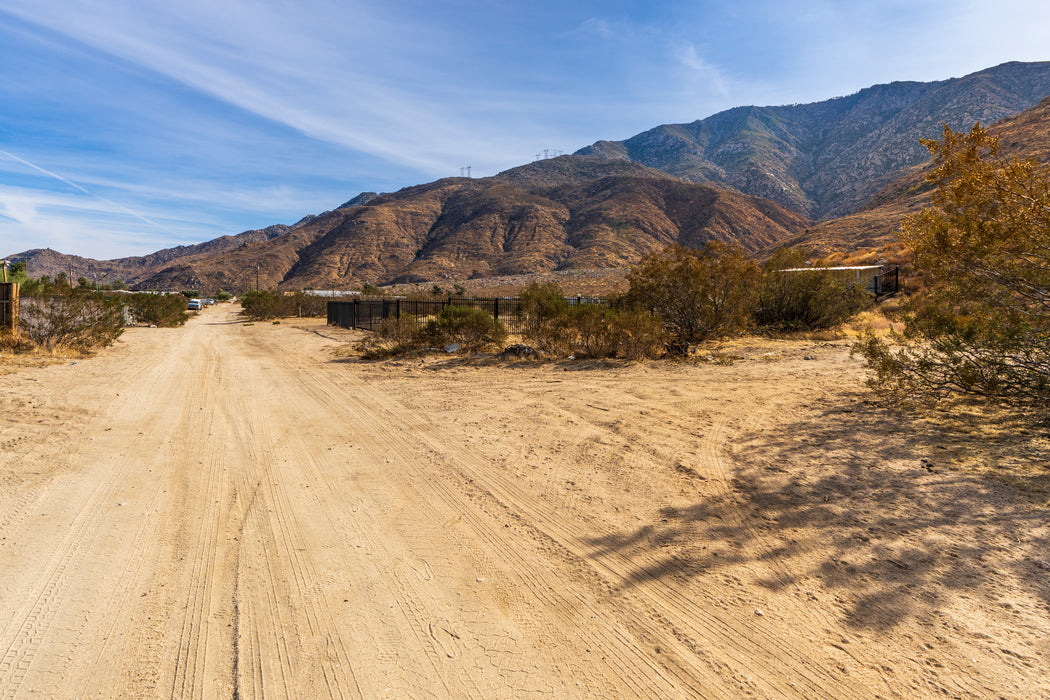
827, 159
565, 213
132, 270
856, 158
1026, 135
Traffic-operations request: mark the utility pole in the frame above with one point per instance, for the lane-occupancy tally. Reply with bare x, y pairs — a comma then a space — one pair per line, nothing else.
256, 276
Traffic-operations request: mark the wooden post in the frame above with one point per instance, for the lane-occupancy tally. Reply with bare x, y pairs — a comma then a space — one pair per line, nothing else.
9, 306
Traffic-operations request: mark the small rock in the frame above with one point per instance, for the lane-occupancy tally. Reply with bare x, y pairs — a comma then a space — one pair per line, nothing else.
759, 613
519, 350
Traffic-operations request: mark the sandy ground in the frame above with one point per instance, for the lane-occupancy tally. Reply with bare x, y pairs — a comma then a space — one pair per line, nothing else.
232, 510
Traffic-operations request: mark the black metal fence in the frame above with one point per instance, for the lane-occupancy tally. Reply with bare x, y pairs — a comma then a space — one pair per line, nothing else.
886, 283
367, 314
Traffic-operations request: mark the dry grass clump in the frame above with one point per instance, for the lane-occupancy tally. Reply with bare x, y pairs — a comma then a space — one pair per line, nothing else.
18, 352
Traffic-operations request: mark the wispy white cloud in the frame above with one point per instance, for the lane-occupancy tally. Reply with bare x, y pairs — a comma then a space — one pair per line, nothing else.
114, 206
336, 77
688, 56
65, 222
211, 116
597, 27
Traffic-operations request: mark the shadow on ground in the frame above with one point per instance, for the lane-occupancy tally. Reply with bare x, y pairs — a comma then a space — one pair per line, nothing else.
869, 503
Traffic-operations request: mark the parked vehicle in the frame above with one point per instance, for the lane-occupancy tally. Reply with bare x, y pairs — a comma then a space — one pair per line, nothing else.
194, 305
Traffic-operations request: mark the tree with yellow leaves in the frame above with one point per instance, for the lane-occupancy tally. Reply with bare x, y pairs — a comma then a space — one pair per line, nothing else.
983, 326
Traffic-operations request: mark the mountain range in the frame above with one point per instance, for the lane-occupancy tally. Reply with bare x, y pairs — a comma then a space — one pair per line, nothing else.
833, 176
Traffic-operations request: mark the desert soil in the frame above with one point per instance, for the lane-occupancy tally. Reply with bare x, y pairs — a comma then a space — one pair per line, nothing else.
248, 510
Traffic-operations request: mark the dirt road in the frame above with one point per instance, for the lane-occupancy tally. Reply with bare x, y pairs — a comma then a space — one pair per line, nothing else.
230, 510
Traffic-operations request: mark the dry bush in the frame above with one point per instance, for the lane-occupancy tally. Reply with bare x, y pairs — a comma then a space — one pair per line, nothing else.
265, 305
72, 318
698, 294
638, 335
983, 326
393, 337
15, 343
807, 299
471, 329
545, 313
162, 310
591, 331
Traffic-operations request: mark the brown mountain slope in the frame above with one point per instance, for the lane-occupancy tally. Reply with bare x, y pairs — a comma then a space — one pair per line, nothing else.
1026, 135
828, 158
517, 223
257, 264
135, 269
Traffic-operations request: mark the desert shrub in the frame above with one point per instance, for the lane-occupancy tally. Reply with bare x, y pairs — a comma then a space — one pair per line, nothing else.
698, 294
591, 331
545, 318
261, 305
472, 329
15, 342
982, 326
223, 296
638, 334
55, 315
300, 304
163, 310
392, 337
267, 304
404, 332
804, 300
191, 293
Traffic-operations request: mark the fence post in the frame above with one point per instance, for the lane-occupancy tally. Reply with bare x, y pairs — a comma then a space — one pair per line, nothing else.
353, 321
9, 306
495, 308
397, 310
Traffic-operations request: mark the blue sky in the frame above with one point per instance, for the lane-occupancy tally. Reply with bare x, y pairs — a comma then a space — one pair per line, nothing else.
127, 126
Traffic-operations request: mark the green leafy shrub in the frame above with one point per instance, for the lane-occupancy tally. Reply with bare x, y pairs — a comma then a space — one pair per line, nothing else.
698, 294
261, 305
545, 318
804, 299
638, 335
472, 329
163, 310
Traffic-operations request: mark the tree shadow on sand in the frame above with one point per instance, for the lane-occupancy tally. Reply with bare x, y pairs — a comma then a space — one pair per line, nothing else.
862, 500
